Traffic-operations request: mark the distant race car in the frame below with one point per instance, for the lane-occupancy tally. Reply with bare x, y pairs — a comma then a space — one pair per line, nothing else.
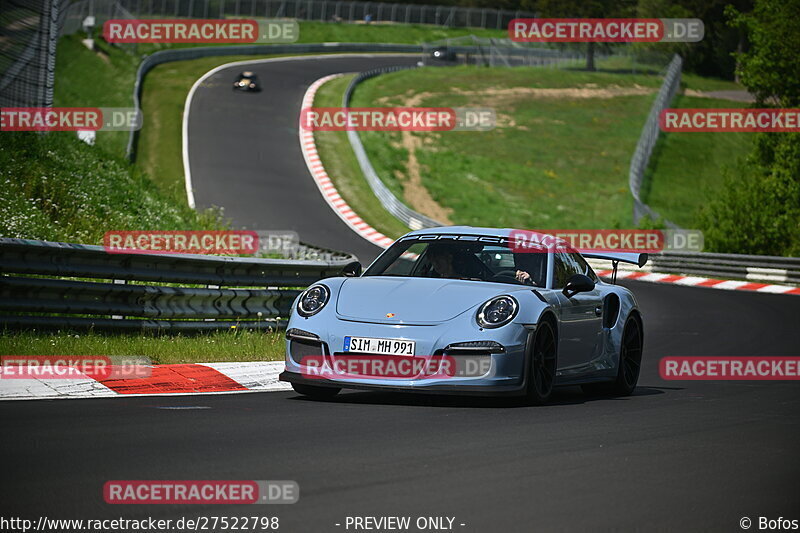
247, 81
443, 53
463, 310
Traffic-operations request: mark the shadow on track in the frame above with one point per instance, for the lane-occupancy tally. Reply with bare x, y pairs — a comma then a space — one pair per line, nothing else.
563, 396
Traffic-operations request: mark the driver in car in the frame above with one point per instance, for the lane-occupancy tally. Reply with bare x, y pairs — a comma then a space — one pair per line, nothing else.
444, 266
441, 260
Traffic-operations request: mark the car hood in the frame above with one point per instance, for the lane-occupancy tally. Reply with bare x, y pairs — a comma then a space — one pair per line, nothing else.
411, 300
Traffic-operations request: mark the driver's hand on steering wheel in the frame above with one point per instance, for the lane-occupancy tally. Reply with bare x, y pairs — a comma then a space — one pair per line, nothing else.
523, 277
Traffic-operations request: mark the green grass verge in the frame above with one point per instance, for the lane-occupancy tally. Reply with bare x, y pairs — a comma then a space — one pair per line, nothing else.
320, 32
201, 348
558, 160
342, 167
688, 169
554, 162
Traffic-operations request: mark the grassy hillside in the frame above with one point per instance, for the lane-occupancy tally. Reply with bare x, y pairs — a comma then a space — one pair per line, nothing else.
559, 157
56, 187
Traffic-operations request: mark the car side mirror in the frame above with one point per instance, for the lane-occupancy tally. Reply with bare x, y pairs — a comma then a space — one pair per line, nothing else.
352, 270
578, 283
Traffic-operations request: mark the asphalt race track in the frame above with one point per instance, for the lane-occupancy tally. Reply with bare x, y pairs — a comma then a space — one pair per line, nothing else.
692, 456
688, 456
245, 156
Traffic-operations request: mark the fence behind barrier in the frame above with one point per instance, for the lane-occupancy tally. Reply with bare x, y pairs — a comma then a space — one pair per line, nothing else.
648, 140
312, 10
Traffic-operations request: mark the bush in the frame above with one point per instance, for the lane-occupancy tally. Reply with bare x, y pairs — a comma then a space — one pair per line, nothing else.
758, 211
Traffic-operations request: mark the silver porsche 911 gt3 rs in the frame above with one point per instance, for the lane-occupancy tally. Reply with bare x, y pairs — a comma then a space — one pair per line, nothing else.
465, 310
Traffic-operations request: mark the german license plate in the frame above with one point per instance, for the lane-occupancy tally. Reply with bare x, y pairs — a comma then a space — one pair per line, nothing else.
379, 346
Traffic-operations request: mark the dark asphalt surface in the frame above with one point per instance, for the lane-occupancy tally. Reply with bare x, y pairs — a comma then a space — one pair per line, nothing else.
244, 151
676, 456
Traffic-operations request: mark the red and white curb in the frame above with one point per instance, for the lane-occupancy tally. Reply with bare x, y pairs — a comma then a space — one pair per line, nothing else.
325, 184
695, 281
165, 380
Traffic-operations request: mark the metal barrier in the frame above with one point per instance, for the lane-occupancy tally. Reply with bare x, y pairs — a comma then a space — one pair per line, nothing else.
232, 291
760, 268
648, 140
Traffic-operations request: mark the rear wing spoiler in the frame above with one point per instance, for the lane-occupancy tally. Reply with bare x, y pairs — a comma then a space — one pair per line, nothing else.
618, 257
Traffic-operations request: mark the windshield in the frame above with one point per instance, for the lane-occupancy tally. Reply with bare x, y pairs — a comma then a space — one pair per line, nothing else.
469, 260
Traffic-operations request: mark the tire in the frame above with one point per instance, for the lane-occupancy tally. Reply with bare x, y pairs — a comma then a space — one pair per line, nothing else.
312, 391
630, 362
542, 365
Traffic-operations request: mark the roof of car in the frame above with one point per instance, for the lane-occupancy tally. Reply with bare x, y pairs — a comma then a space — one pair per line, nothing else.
464, 230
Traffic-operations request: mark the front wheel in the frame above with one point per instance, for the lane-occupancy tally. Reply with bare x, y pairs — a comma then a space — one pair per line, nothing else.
542, 367
312, 391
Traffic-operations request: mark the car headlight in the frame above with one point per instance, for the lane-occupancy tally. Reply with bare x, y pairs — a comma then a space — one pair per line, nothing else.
313, 300
497, 312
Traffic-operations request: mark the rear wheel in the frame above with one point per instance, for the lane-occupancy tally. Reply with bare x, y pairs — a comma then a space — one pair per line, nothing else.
315, 392
542, 371
630, 361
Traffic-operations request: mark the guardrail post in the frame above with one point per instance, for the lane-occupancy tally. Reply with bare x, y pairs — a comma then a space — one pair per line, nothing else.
119, 282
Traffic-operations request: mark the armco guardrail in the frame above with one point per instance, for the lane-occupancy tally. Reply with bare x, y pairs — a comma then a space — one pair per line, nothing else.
760, 268
388, 200
648, 139
233, 291
182, 54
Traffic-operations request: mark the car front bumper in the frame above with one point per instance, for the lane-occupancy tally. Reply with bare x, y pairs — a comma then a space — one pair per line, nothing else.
515, 387
505, 375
